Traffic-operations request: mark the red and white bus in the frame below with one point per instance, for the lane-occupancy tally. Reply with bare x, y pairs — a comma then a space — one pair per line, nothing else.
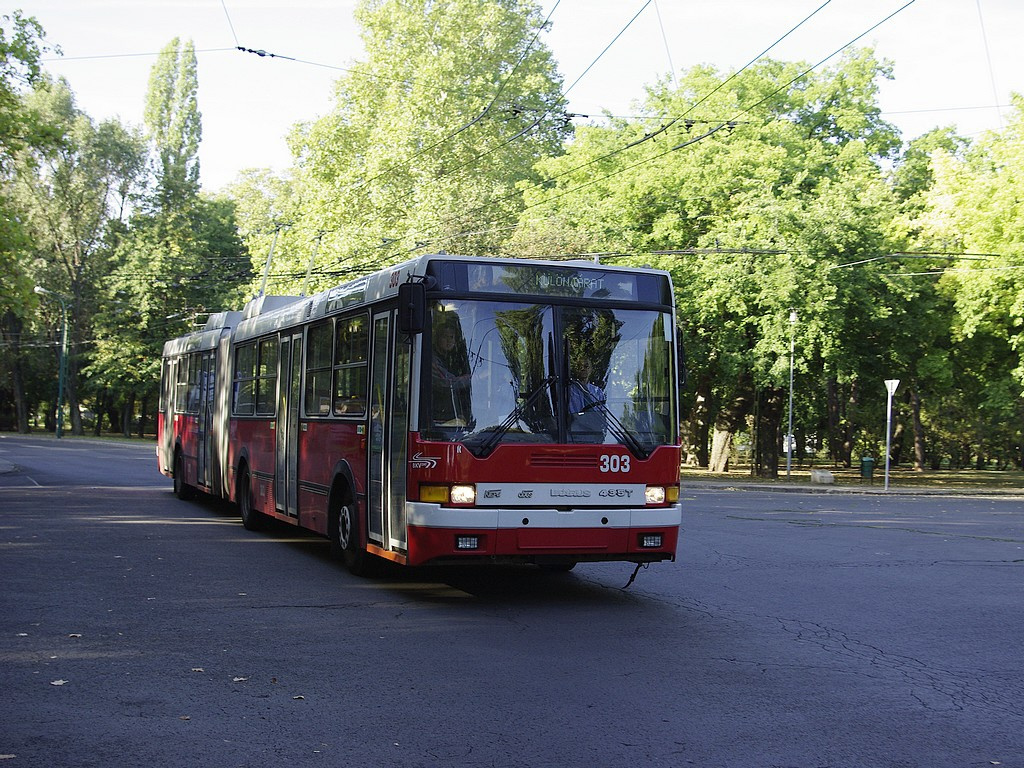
446, 410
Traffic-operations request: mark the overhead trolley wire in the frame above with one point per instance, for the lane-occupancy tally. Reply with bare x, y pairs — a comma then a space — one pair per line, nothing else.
479, 117
738, 115
524, 131
230, 25
670, 121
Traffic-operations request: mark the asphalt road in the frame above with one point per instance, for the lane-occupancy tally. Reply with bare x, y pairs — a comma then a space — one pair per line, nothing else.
796, 629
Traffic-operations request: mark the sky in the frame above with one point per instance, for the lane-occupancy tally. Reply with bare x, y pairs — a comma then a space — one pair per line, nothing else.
955, 61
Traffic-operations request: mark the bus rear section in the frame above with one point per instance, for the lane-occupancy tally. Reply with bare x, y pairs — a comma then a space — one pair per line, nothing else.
192, 415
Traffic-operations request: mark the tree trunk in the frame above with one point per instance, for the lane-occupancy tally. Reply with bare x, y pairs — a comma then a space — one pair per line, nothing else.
727, 423
768, 423
71, 391
113, 414
919, 452
846, 452
101, 404
11, 333
142, 417
840, 435
126, 415
696, 429
835, 420
896, 446
721, 449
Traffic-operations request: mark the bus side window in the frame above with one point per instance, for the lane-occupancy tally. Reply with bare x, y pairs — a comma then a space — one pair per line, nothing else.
245, 380
350, 354
319, 340
266, 380
192, 404
165, 384
181, 384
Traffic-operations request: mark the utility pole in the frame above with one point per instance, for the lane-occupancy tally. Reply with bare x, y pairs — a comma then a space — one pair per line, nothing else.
62, 366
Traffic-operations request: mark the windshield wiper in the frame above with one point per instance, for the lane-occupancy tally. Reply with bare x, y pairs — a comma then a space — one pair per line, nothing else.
620, 431
513, 418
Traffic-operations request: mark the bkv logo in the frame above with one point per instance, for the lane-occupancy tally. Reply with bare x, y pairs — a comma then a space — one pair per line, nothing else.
419, 461
526, 494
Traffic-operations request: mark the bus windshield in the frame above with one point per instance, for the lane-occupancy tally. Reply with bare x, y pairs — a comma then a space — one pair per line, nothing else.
502, 372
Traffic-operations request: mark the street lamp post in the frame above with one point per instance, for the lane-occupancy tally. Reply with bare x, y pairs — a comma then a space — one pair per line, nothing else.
62, 366
890, 387
789, 433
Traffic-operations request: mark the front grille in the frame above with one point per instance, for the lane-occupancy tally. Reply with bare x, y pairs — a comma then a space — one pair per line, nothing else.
556, 460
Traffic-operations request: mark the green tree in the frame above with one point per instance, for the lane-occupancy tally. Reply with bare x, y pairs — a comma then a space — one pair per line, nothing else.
21, 45
429, 136
755, 212
180, 258
976, 206
69, 193
174, 126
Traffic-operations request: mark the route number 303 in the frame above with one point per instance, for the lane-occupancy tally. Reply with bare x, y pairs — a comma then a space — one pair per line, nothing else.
614, 462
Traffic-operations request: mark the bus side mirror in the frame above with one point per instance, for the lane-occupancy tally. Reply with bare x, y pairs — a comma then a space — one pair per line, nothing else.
412, 307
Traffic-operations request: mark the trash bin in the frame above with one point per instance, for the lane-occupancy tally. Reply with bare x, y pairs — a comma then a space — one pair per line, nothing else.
867, 468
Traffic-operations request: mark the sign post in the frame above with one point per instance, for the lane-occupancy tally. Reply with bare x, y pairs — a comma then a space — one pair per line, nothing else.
789, 433
890, 386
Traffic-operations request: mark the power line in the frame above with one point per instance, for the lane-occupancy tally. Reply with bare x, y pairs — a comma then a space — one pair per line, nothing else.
945, 109
124, 55
670, 121
230, 25
522, 132
668, 51
738, 115
479, 117
988, 59
606, 48
829, 57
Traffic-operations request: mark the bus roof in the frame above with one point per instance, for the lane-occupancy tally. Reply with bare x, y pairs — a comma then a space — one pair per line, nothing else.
267, 314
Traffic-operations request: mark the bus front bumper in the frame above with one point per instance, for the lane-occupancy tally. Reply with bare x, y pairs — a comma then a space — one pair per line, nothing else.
466, 534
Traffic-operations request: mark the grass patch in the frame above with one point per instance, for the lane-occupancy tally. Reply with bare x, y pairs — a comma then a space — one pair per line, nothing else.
903, 477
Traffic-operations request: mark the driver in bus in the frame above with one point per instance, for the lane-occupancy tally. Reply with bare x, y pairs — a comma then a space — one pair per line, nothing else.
586, 402
451, 377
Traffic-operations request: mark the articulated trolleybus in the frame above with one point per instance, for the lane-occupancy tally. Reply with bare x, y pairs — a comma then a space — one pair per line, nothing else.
446, 410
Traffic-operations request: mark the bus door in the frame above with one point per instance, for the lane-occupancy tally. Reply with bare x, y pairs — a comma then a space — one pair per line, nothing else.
167, 381
286, 485
204, 446
389, 430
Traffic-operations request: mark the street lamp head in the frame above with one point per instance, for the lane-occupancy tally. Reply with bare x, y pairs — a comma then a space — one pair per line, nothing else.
40, 290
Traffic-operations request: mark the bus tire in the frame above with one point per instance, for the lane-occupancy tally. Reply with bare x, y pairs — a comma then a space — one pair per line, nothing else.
182, 490
345, 538
252, 520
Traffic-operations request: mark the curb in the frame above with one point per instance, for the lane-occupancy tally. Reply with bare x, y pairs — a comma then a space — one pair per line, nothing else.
689, 484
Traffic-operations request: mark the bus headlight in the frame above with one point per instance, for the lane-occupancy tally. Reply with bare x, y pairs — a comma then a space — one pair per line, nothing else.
463, 494
655, 494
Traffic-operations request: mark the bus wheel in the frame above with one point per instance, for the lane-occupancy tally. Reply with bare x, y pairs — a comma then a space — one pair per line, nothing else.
251, 519
345, 540
182, 490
